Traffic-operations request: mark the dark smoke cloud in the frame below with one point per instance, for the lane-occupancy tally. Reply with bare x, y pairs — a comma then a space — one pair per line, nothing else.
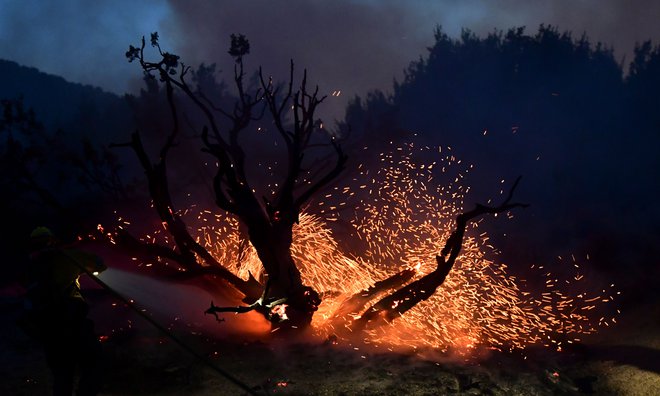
82, 41
358, 45
348, 45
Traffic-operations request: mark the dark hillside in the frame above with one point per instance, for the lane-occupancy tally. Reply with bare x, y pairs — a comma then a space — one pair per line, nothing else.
81, 110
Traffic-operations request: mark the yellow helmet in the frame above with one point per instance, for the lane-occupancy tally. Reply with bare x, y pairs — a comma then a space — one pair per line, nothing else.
41, 232
42, 238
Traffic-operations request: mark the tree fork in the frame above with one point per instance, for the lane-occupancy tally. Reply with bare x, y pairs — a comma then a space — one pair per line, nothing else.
270, 222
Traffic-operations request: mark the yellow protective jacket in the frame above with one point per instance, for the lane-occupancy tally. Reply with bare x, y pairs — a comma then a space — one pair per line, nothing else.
52, 275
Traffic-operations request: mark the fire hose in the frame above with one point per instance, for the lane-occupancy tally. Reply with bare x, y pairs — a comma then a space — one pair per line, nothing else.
162, 329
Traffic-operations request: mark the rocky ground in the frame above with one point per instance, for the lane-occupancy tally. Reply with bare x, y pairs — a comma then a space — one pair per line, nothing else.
624, 360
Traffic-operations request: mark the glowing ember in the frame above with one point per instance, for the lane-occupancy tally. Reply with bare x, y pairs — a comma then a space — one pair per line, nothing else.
280, 312
401, 216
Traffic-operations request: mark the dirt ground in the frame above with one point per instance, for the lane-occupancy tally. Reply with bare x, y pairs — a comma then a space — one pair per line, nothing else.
622, 360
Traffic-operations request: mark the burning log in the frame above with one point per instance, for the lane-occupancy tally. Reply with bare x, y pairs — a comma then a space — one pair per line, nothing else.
285, 312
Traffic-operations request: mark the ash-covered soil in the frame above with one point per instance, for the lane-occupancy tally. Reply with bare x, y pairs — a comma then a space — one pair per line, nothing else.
621, 360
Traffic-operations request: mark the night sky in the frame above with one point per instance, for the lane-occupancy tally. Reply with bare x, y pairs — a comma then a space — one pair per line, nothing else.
348, 45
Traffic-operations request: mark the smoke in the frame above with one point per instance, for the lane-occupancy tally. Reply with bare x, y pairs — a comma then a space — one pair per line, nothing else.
348, 45
82, 41
358, 45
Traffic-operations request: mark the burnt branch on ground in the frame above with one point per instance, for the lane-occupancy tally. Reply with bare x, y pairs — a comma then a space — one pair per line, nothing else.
399, 302
355, 304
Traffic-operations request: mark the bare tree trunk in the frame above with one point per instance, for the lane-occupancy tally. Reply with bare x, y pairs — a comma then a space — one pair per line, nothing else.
284, 282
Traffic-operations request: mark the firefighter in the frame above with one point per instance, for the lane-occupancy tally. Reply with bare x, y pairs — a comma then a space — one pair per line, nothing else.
56, 313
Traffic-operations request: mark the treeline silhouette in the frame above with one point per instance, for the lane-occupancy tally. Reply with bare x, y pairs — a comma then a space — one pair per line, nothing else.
582, 127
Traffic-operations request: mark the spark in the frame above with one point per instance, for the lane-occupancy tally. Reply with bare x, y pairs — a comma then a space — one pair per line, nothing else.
402, 214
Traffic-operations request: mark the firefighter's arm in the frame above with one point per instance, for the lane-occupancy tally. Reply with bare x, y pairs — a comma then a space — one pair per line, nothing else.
90, 262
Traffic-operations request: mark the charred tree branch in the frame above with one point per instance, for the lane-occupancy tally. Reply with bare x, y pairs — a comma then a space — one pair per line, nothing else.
356, 302
399, 302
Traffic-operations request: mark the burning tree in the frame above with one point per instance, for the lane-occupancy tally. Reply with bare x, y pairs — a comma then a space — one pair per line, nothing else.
269, 220
291, 281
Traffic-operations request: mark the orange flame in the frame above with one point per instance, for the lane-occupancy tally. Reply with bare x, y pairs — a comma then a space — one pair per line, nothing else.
280, 311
